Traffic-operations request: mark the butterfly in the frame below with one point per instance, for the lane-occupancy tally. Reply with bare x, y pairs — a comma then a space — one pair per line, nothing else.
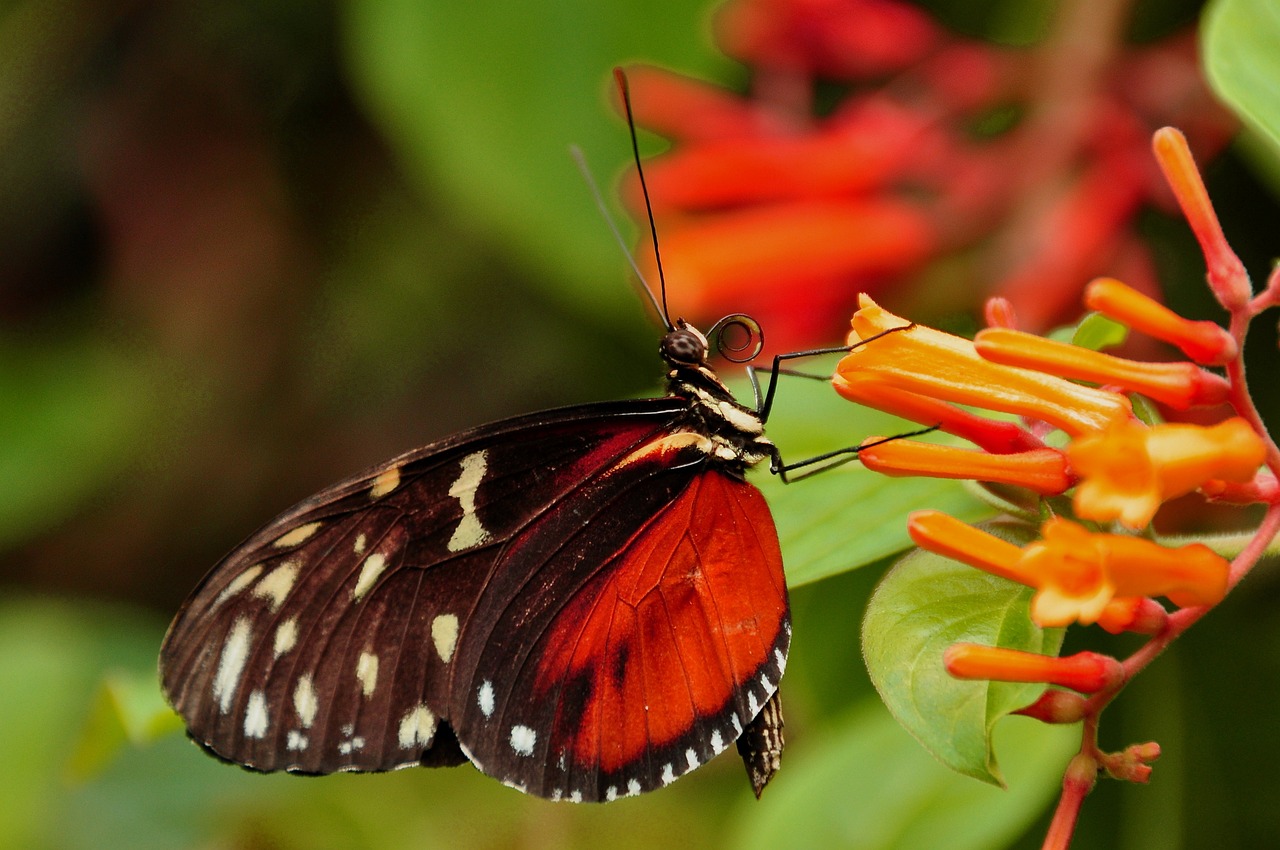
585, 603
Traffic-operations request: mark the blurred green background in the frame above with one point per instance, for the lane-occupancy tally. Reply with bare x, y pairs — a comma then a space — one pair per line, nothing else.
249, 247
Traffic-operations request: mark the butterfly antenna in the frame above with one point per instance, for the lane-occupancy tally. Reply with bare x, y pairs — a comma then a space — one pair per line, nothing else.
581, 160
620, 76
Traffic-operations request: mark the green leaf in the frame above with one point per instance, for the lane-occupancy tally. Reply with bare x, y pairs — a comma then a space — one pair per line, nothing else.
1240, 41
482, 100
1097, 332
866, 784
127, 709
925, 604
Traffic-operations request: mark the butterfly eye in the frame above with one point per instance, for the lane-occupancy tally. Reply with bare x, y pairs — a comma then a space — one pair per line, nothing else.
684, 347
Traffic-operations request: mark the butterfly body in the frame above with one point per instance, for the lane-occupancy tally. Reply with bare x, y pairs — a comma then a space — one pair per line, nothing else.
586, 603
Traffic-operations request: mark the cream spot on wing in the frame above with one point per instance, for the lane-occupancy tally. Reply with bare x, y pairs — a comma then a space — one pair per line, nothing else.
296, 741
235, 651
305, 701
444, 634
669, 444
275, 585
469, 532
369, 572
367, 673
523, 739
348, 747
361, 542
387, 480
238, 584
417, 728
255, 716
286, 637
298, 535
484, 697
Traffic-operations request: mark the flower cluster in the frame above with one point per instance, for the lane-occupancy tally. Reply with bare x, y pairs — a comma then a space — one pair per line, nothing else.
780, 203
1095, 560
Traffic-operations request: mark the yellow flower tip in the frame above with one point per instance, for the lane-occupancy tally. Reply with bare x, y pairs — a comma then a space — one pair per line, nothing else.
1204, 342
942, 366
1179, 385
945, 535
1227, 277
1128, 470
1086, 672
1043, 471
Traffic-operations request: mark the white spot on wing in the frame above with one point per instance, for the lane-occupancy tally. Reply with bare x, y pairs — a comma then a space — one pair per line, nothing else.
469, 532
575, 797
367, 673
347, 747
782, 661
444, 634
692, 758
275, 585
255, 716
717, 742
286, 637
417, 728
484, 697
296, 741
235, 651
737, 724
668, 774
297, 535
766, 684
611, 793
305, 701
369, 572
523, 739
387, 480
753, 704
633, 787
238, 584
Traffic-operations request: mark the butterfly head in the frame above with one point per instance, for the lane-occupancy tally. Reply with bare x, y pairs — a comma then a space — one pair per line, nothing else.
684, 347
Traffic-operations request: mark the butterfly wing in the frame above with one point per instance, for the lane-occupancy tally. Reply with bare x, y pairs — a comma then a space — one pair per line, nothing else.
362, 628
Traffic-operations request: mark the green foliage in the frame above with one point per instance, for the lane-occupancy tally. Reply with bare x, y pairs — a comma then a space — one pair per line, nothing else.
869, 785
925, 604
1240, 39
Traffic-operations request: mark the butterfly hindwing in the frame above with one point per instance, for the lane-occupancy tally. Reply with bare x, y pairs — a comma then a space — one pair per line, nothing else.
495, 584
669, 633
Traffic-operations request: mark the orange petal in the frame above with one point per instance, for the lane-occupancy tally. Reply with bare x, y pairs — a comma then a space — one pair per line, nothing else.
1041, 470
1204, 342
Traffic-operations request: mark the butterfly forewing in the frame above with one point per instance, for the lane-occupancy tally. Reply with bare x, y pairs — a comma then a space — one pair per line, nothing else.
323, 642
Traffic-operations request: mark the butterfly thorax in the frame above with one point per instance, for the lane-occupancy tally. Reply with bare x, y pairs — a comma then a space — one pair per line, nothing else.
734, 432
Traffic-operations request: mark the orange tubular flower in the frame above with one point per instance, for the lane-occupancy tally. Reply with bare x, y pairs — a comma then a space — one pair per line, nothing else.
1179, 385
1077, 574
1041, 470
1203, 342
997, 437
1227, 276
1128, 470
1087, 672
939, 365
